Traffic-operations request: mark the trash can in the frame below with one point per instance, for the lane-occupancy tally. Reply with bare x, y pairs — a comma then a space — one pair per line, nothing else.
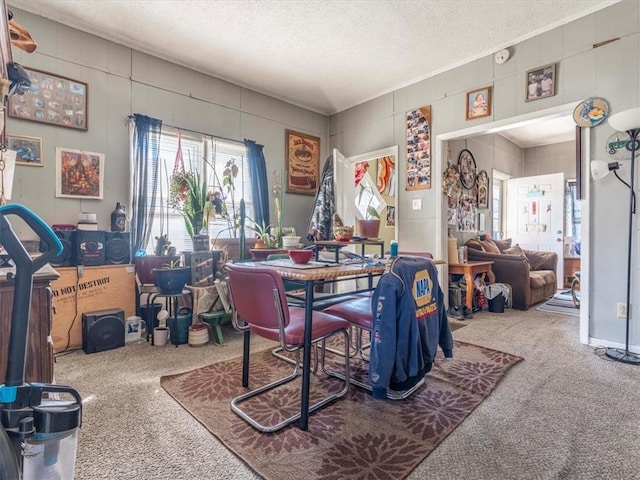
496, 304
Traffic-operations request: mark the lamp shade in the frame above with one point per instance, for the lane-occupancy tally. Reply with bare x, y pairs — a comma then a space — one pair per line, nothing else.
600, 168
626, 120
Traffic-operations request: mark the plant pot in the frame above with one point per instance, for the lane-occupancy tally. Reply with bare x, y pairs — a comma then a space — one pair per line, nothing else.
145, 266
232, 246
171, 281
368, 228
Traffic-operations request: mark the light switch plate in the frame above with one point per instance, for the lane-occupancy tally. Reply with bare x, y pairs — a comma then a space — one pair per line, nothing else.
417, 203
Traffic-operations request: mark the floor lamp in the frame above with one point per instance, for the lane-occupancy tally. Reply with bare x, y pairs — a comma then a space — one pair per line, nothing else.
629, 122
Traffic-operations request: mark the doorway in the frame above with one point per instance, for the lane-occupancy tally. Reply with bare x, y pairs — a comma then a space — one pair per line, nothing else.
533, 118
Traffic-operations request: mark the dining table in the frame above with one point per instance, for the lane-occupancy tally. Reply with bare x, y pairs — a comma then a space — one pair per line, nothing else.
312, 274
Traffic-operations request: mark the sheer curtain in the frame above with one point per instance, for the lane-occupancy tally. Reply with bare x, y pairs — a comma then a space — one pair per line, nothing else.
145, 159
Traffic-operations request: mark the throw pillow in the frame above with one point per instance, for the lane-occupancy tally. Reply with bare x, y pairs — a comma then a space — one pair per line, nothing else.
515, 250
503, 244
489, 245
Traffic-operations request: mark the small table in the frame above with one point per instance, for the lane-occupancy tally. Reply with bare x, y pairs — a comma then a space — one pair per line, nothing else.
170, 303
470, 270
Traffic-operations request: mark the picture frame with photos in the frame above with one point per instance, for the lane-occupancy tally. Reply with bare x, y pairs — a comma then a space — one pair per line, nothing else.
478, 103
541, 82
54, 100
28, 149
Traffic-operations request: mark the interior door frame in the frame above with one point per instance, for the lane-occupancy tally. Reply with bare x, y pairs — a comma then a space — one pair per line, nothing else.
505, 124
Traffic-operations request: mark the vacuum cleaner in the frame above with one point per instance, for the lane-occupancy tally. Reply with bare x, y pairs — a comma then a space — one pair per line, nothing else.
40, 421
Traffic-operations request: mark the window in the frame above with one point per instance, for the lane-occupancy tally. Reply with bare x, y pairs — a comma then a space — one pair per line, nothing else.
195, 149
573, 218
497, 204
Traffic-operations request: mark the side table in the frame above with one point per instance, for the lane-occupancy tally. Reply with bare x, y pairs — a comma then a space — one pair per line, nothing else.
470, 270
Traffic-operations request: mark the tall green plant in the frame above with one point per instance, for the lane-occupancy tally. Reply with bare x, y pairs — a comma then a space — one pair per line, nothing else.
189, 196
370, 212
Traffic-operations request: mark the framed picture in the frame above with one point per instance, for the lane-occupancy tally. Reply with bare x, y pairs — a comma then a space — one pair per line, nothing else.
79, 174
418, 136
28, 149
302, 161
541, 82
483, 189
467, 169
52, 99
478, 103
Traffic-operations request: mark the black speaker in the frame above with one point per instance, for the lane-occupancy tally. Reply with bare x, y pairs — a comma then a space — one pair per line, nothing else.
90, 247
116, 248
103, 330
68, 256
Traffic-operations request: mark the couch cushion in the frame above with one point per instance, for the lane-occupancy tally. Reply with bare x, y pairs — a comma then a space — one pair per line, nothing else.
541, 278
503, 244
475, 244
515, 250
488, 245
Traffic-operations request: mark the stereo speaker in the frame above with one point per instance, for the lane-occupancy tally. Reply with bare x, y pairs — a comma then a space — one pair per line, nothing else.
91, 247
116, 248
103, 330
68, 256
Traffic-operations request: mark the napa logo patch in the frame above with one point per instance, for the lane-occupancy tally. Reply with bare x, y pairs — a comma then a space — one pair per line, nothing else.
422, 288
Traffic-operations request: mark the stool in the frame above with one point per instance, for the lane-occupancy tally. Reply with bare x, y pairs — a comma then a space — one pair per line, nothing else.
216, 319
575, 289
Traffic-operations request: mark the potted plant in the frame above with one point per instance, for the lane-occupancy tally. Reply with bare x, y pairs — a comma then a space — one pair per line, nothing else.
189, 195
369, 226
171, 277
268, 241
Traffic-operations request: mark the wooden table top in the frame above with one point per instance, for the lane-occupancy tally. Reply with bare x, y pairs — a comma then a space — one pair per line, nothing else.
319, 270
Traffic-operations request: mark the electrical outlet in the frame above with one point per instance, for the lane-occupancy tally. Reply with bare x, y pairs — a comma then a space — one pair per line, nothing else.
80, 270
621, 310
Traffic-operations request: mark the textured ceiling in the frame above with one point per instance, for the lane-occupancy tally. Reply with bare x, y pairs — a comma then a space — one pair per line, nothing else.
324, 55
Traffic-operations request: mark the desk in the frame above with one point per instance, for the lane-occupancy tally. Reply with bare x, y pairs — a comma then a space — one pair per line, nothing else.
338, 245
470, 270
309, 277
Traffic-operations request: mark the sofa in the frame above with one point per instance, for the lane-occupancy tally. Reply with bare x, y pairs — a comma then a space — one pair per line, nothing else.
531, 274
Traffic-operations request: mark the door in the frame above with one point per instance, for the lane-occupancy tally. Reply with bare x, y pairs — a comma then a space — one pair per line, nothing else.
535, 215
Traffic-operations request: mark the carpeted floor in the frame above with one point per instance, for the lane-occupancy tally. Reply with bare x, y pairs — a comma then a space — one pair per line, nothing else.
561, 302
564, 413
355, 437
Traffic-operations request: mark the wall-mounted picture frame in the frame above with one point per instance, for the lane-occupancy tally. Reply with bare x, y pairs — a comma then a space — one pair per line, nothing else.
79, 174
53, 99
467, 169
478, 103
28, 149
418, 137
483, 189
541, 82
302, 162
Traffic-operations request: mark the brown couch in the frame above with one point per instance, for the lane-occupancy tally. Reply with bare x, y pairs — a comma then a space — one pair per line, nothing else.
531, 274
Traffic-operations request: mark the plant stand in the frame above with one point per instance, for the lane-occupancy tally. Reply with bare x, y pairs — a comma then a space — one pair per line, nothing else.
216, 320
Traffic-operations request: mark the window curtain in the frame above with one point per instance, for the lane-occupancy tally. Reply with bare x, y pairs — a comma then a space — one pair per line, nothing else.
259, 182
146, 153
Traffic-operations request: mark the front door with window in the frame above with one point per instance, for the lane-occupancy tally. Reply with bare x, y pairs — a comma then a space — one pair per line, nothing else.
535, 214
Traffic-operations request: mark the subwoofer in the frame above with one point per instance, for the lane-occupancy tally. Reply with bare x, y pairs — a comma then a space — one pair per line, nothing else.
102, 330
116, 248
68, 256
90, 247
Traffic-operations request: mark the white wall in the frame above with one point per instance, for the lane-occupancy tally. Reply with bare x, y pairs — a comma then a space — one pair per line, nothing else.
123, 81
610, 71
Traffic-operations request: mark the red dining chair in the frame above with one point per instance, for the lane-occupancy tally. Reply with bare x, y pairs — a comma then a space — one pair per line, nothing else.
260, 306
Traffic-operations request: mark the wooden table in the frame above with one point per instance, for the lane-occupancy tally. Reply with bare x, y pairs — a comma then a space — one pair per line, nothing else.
470, 270
310, 277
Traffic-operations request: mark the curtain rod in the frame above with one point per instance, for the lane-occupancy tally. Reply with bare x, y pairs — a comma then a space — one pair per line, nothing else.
195, 131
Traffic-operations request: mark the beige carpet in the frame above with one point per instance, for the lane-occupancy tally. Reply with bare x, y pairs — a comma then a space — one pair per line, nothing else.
563, 413
356, 437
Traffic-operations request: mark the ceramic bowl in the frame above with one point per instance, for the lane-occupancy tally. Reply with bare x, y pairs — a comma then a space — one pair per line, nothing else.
343, 234
300, 256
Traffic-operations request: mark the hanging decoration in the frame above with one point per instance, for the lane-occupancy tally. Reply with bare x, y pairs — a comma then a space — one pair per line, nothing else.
418, 165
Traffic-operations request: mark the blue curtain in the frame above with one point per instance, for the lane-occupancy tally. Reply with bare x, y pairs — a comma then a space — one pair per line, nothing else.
259, 182
146, 152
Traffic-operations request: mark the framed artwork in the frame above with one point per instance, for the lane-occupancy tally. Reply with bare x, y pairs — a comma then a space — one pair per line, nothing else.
28, 149
302, 161
541, 82
467, 169
79, 174
418, 137
52, 99
391, 216
478, 103
483, 189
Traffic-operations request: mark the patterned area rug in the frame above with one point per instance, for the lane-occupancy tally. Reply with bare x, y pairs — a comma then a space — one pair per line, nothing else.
561, 302
355, 437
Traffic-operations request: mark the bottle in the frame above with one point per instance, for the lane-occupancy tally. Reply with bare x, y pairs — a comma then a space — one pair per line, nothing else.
118, 219
394, 248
